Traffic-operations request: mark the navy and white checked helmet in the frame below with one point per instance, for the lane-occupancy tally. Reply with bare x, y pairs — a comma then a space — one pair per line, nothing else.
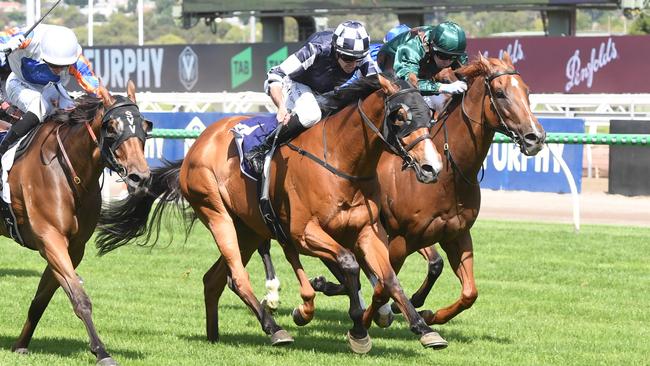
350, 38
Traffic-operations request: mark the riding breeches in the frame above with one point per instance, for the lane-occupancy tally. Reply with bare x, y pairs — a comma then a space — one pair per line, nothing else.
300, 100
42, 100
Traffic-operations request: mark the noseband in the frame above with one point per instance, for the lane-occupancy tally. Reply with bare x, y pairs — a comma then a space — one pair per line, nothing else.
391, 104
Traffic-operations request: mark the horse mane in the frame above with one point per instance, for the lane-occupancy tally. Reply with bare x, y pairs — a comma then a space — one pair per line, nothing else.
85, 109
474, 69
340, 98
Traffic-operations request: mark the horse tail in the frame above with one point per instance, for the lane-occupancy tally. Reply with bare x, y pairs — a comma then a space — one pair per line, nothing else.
130, 218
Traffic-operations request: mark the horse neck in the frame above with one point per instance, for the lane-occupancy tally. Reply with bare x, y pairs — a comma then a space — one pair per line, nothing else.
470, 137
351, 145
83, 152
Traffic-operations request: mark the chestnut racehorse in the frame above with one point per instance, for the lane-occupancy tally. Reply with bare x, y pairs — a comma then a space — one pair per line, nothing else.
56, 195
497, 100
324, 190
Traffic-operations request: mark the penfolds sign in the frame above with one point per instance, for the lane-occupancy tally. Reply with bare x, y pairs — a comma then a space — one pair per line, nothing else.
615, 64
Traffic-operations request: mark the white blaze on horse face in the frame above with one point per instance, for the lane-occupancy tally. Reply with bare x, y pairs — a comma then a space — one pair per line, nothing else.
431, 156
531, 119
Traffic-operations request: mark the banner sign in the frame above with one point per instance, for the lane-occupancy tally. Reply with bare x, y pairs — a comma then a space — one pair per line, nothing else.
505, 166
547, 64
508, 169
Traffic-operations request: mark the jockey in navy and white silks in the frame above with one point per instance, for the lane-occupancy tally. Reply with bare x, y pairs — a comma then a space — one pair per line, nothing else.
327, 60
41, 64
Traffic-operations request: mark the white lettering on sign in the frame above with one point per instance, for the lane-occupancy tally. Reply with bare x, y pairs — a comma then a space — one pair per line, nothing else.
508, 157
116, 66
515, 50
576, 73
153, 148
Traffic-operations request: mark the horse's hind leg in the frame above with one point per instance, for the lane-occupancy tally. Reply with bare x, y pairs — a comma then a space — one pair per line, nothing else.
435, 263
236, 257
63, 268
460, 254
272, 298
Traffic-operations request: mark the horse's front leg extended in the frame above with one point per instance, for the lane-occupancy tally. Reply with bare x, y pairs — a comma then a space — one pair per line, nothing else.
55, 250
460, 253
376, 256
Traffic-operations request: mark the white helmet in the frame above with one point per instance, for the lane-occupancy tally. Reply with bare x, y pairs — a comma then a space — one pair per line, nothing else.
59, 46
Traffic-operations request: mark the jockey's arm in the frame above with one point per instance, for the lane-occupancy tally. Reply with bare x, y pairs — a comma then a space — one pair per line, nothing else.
407, 67
85, 77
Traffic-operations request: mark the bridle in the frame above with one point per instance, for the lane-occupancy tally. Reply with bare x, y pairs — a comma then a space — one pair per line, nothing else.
387, 135
107, 146
502, 127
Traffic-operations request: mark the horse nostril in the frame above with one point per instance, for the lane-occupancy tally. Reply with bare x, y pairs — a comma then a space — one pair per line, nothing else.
532, 138
427, 168
138, 178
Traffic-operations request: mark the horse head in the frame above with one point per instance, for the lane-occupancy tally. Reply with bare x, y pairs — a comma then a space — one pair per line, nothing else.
406, 129
122, 138
497, 87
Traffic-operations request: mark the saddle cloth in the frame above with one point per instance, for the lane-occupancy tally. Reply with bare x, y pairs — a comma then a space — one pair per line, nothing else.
250, 133
6, 213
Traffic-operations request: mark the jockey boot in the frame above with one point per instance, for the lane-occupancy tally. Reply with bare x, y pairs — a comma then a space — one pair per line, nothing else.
255, 157
18, 130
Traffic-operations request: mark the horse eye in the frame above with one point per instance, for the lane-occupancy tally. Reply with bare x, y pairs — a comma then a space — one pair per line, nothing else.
111, 128
500, 94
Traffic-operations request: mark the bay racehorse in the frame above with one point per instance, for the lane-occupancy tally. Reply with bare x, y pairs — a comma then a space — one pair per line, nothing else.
56, 195
497, 100
330, 213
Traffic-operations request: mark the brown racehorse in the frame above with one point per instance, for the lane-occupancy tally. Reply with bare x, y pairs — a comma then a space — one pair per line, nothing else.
497, 100
58, 210
328, 213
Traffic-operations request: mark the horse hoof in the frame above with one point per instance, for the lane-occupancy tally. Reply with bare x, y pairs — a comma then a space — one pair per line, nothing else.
383, 320
280, 338
21, 351
359, 346
433, 340
298, 318
107, 361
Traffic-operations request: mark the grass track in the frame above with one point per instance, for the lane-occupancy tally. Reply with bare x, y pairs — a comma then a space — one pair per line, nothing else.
546, 297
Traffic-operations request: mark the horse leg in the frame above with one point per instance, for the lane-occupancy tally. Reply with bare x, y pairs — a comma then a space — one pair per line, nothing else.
62, 264
46, 289
321, 284
236, 257
460, 254
435, 263
304, 313
272, 298
376, 257
327, 249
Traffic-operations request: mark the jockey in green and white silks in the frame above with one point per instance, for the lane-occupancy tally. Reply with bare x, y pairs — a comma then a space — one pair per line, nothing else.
418, 55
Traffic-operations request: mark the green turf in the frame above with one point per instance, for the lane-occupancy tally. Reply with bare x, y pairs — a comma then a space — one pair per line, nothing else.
546, 297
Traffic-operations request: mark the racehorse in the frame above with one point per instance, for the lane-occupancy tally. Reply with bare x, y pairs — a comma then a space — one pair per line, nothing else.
329, 213
56, 195
497, 100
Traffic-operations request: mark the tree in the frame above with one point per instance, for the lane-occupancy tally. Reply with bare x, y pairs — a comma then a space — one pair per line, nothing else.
641, 25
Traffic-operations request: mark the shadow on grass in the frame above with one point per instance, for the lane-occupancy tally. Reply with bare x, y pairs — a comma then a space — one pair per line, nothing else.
303, 342
65, 347
15, 272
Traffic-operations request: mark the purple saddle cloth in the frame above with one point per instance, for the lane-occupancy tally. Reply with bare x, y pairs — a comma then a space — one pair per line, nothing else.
250, 133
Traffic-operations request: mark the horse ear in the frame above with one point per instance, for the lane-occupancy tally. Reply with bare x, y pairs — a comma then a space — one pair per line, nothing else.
386, 85
130, 90
103, 93
483, 60
506, 59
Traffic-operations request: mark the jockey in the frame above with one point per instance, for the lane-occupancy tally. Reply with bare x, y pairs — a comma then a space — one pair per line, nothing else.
327, 60
417, 56
41, 63
375, 47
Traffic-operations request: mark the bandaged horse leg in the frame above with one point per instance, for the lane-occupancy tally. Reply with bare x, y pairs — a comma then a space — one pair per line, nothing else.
376, 257
272, 298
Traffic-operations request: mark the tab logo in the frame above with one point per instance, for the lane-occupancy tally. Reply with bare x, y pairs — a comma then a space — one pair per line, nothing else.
241, 69
188, 68
276, 58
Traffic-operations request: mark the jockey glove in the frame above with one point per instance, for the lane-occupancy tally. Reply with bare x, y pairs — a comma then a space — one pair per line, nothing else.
18, 130
12, 44
456, 87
